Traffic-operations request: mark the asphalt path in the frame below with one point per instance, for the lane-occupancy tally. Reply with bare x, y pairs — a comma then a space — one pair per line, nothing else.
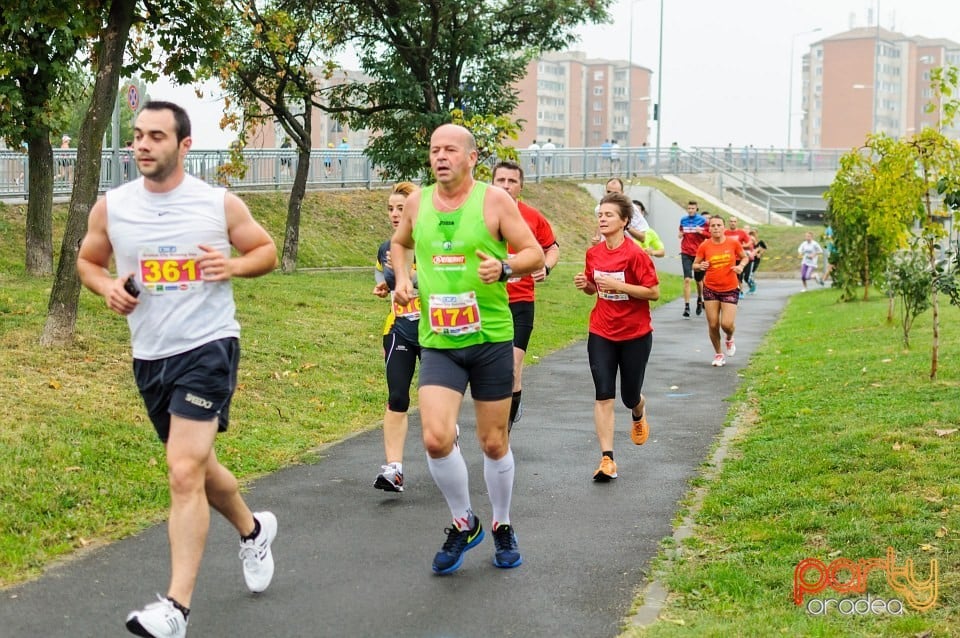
355, 561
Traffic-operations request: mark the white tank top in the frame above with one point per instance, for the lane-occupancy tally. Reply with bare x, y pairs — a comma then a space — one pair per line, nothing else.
156, 236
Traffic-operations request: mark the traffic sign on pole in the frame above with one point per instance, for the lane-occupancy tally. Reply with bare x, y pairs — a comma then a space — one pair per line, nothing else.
133, 97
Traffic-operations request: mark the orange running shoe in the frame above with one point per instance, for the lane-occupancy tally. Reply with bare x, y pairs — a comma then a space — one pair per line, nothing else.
641, 429
606, 471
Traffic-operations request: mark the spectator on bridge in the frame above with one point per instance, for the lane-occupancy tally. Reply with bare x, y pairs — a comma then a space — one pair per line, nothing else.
343, 146
605, 154
548, 149
328, 160
65, 162
533, 149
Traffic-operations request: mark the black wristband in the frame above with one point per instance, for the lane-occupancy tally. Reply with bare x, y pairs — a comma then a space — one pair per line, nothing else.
506, 272
546, 269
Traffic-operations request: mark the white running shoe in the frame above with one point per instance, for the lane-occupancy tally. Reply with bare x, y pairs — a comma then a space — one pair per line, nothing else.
256, 555
731, 347
158, 620
390, 479
718, 361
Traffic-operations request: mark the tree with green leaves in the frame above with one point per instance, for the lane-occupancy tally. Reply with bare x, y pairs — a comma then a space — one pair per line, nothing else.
270, 66
428, 57
426, 60
108, 51
40, 75
871, 204
489, 131
181, 32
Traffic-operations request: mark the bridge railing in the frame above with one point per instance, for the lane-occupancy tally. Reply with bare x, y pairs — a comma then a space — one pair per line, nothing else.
350, 168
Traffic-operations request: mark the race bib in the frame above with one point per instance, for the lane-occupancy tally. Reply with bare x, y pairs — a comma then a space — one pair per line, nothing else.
454, 314
167, 270
611, 296
410, 310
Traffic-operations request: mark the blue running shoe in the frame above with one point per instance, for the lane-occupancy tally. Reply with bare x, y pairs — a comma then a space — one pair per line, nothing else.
450, 556
507, 553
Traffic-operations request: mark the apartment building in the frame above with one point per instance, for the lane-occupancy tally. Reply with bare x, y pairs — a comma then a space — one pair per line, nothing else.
870, 79
575, 101
565, 97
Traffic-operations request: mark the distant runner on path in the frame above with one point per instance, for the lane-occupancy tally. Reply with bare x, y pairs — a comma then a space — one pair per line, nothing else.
721, 258
401, 350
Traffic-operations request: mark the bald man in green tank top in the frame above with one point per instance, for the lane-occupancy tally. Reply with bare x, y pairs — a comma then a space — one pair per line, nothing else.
458, 229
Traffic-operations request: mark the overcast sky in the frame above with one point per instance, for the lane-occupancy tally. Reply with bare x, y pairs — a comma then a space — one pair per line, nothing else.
726, 65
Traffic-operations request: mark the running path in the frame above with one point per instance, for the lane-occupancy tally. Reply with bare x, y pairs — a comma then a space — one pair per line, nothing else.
354, 561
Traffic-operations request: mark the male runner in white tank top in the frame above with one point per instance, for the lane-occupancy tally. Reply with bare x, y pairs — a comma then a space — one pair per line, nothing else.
171, 234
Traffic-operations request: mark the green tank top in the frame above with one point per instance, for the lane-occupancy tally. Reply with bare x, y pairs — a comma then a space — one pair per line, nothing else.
458, 309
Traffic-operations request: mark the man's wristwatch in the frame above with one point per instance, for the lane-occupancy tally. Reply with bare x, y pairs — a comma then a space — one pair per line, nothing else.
506, 272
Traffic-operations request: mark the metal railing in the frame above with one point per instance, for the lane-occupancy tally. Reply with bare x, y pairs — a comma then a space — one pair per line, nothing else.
350, 168
748, 184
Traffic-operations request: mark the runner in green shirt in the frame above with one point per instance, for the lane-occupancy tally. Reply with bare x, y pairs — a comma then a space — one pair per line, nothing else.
459, 229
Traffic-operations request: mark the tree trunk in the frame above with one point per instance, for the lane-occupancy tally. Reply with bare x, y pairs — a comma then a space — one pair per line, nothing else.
65, 295
935, 348
866, 270
291, 236
39, 255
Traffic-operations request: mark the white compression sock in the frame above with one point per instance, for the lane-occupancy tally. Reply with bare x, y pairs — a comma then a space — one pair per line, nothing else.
499, 478
450, 475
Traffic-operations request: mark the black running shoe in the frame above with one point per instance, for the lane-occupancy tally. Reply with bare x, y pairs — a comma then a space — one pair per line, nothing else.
507, 553
686, 311
699, 307
450, 556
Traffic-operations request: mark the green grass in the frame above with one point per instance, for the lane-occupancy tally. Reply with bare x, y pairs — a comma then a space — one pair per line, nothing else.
842, 453
79, 463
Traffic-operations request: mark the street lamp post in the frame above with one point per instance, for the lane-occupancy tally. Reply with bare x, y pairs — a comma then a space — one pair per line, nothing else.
658, 107
630, 81
793, 41
631, 99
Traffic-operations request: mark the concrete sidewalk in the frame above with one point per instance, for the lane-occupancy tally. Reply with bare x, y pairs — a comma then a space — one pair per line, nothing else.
355, 561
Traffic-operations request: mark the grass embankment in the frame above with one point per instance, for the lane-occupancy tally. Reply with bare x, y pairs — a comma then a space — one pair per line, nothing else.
845, 448
79, 463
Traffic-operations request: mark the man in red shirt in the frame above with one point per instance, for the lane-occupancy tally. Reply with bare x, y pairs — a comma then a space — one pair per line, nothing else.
741, 235
693, 230
509, 176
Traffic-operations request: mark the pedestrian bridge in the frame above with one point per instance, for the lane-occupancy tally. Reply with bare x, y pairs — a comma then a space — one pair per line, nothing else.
784, 181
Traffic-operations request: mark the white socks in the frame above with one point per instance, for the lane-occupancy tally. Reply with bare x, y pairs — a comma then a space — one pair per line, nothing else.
450, 475
499, 478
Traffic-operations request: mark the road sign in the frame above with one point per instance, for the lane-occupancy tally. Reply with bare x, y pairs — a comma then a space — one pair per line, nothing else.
133, 97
